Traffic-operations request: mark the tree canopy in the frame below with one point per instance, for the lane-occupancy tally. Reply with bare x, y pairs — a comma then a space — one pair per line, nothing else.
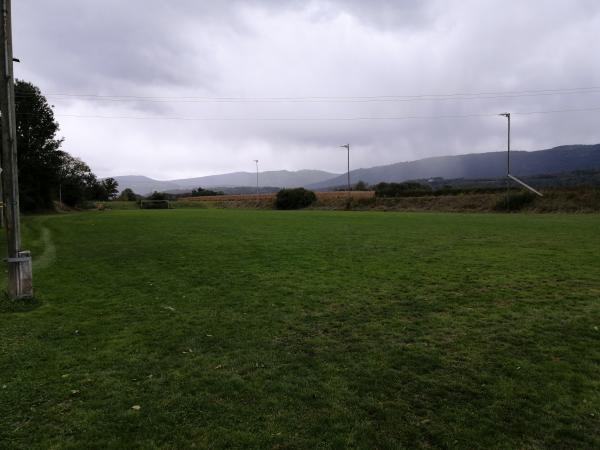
128, 195
45, 171
39, 156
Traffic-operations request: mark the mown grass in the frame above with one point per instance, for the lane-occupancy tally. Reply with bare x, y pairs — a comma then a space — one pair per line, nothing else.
267, 329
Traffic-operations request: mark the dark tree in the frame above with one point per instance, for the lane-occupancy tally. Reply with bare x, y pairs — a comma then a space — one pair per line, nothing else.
128, 195
200, 192
405, 189
45, 172
361, 186
294, 198
78, 182
157, 196
39, 154
111, 187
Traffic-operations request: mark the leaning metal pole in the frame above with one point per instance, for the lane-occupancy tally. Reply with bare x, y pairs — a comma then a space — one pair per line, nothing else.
19, 262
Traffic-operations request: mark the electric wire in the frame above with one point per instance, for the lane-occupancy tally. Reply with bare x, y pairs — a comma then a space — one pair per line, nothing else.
325, 99
316, 119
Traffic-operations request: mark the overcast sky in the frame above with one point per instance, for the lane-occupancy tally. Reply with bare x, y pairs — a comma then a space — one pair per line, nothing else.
134, 70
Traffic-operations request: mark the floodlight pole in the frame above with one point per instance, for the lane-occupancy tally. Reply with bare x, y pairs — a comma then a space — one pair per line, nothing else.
19, 262
507, 115
347, 147
256, 161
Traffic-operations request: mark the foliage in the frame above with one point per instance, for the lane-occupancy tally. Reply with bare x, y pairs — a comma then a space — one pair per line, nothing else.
406, 189
306, 330
462, 190
111, 188
294, 198
200, 192
78, 183
516, 201
158, 196
39, 156
155, 204
45, 171
127, 195
361, 186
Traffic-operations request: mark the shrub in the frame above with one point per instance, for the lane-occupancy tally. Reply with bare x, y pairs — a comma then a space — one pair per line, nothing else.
516, 201
205, 192
361, 186
406, 189
154, 204
294, 198
157, 196
128, 195
88, 204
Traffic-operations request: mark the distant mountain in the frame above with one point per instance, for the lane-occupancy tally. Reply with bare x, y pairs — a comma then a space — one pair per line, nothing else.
566, 158
144, 185
282, 178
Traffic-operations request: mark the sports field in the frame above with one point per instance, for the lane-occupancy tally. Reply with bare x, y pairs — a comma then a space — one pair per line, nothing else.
303, 330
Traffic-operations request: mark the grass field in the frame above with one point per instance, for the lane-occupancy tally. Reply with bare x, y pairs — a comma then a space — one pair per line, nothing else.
267, 329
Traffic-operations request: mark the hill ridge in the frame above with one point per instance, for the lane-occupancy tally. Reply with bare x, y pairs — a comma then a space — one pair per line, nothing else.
563, 158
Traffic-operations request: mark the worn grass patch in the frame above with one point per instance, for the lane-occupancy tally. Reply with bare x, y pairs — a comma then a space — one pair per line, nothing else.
305, 329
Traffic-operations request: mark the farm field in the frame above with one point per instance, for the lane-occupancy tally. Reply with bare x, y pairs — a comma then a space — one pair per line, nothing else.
250, 197
204, 328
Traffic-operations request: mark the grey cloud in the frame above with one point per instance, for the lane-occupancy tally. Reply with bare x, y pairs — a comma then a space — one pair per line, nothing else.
298, 48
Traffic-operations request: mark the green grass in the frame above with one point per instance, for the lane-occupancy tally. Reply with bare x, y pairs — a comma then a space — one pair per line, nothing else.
175, 204
267, 329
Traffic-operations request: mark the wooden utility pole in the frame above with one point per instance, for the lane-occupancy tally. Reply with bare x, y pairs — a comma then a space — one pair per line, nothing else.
19, 262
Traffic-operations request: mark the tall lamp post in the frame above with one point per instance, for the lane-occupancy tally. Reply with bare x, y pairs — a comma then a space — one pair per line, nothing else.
347, 147
510, 176
507, 115
256, 161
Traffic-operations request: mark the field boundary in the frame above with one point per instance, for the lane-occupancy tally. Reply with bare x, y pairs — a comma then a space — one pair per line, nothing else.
272, 196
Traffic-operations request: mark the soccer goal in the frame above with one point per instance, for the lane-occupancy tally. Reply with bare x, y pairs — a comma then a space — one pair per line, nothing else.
155, 204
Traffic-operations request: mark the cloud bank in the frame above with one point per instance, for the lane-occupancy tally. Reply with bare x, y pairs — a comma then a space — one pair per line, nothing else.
200, 85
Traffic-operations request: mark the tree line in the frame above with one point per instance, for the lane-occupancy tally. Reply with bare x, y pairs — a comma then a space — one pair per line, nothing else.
46, 173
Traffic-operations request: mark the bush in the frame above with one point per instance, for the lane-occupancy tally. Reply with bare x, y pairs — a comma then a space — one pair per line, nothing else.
407, 189
88, 204
361, 186
128, 195
154, 204
294, 198
157, 196
516, 201
205, 192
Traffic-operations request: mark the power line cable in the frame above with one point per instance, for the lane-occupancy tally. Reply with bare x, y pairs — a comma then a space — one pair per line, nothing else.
320, 119
316, 99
